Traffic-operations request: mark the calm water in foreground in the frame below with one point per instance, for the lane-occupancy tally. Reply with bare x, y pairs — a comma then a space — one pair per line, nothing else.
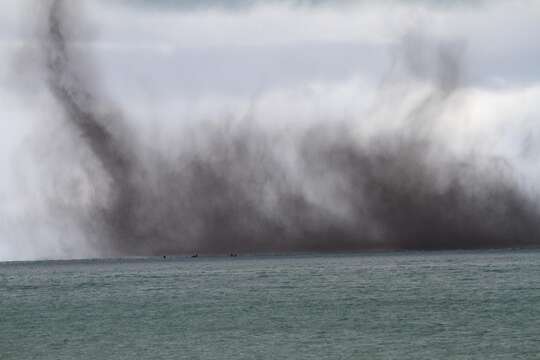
458, 305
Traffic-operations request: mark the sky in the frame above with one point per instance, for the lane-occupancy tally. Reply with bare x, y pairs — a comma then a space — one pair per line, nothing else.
169, 66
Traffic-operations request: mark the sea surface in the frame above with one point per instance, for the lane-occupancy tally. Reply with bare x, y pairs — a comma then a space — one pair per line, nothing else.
406, 305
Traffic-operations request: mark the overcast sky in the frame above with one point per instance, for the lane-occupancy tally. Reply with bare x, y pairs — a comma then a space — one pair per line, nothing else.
165, 63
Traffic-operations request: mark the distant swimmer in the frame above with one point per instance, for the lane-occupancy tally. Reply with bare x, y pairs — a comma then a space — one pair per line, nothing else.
233, 255
164, 257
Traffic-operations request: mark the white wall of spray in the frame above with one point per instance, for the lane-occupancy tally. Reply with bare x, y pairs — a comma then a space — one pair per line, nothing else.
287, 67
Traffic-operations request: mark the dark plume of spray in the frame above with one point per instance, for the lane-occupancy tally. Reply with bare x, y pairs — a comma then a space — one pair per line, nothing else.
232, 193
70, 88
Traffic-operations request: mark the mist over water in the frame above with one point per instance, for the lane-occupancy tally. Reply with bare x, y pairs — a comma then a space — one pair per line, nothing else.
389, 177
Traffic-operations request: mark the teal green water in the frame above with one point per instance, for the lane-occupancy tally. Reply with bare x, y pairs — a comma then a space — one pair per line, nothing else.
445, 305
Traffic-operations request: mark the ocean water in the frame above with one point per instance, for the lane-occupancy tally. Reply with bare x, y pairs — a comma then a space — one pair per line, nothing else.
436, 305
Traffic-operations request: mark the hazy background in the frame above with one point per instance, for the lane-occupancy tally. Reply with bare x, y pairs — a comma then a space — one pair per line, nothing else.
285, 65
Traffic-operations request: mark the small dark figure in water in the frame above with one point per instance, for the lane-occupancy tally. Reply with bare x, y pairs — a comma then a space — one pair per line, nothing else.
233, 255
164, 257
195, 255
